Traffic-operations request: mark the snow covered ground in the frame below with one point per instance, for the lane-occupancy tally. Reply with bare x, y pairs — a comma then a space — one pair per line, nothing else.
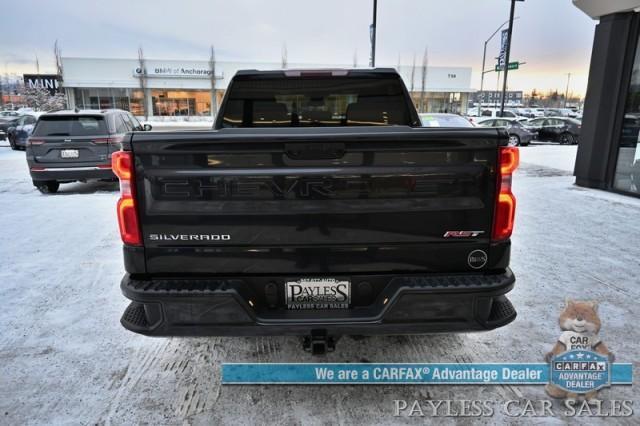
64, 358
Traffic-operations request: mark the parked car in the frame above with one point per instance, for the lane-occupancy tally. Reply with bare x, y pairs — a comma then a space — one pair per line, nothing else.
560, 112
557, 129
444, 120
9, 114
5, 124
20, 130
495, 112
519, 134
68, 146
524, 112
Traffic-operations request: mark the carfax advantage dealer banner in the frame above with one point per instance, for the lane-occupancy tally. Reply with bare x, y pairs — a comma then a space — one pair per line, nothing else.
584, 374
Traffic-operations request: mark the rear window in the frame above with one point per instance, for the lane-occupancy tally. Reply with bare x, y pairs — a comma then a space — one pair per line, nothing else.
76, 125
316, 102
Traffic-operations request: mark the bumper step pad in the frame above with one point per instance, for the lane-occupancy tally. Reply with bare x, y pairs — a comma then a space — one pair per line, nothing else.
408, 304
502, 311
134, 317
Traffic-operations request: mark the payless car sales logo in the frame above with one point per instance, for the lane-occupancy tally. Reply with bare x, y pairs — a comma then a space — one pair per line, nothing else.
579, 361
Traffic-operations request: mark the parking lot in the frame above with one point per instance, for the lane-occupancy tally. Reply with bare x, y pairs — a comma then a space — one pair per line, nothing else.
64, 357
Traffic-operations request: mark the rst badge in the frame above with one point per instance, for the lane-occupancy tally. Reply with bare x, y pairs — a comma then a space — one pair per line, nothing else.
462, 234
318, 293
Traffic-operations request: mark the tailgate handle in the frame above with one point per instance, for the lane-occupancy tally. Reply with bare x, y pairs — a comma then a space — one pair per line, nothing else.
314, 151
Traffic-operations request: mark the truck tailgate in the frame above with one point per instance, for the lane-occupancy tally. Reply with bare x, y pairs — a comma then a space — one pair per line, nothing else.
314, 201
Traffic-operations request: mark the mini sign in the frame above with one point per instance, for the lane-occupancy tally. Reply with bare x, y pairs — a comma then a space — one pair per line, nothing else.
49, 82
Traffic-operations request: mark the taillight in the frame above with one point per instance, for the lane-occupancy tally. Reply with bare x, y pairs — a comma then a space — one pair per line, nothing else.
122, 165
505, 211
32, 141
111, 141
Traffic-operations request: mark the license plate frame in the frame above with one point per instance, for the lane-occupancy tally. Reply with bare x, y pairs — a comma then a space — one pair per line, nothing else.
318, 293
69, 153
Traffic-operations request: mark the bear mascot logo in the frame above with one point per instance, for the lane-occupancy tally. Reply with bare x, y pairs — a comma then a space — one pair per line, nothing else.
580, 325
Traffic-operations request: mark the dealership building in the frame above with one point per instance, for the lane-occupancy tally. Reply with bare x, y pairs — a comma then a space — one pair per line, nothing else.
608, 154
177, 89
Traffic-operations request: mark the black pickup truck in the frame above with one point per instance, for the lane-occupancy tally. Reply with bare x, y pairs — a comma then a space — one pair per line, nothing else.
317, 207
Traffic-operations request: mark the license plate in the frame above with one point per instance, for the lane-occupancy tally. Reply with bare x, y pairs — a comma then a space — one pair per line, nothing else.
69, 153
318, 293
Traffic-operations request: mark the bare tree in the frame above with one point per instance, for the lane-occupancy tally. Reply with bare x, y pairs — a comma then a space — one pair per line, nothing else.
398, 67
355, 58
57, 53
212, 68
142, 75
425, 60
284, 56
413, 74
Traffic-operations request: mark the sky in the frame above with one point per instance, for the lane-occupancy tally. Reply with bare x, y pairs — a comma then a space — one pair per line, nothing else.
553, 37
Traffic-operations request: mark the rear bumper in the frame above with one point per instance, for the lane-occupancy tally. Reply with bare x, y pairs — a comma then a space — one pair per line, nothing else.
69, 173
407, 304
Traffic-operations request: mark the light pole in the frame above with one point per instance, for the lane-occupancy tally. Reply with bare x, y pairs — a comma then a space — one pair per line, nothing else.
484, 56
372, 34
506, 59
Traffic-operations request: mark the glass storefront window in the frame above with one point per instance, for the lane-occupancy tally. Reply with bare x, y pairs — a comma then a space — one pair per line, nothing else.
627, 175
447, 102
181, 102
165, 102
102, 98
136, 102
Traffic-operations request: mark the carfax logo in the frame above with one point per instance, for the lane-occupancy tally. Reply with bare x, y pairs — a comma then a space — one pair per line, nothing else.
580, 371
579, 361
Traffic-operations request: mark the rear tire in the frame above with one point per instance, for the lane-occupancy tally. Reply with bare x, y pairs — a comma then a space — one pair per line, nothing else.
514, 140
47, 187
12, 143
567, 139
